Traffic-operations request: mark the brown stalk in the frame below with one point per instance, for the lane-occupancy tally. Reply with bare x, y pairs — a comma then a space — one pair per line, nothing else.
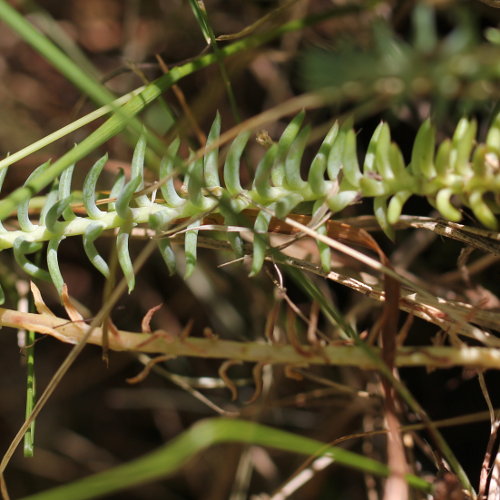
164, 343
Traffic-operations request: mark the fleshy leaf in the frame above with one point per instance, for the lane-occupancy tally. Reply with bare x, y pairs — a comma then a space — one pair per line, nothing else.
55, 211
232, 164
117, 188
293, 179
53, 263
316, 177
444, 205
22, 209
350, 160
89, 188
211, 158
190, 246
262, 180
23, 247
137, 170
284, 144
167, 169
123, 254
122, 204
422, 155
65, 190
92, 232
260, 240
482, 211
380, 210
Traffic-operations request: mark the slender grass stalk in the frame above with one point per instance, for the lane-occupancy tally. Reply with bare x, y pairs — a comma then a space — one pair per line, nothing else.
200, 13
67, 129
76, 75
52, 29
119, 121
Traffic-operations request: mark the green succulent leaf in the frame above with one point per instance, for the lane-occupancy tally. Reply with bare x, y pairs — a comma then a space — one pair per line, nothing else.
123, 254
90, 188
211, 157
395, 206
137, 170
232, 164
350, 160
93, 232
293, 179
260, 240
316, 177
422, 156
22, 248
53, 263
125, 198
22, 209
167, 170
65, 190
191, 248
284, 144
55, 211
196, 185
482, 211
262, 181
444, 205
381, 213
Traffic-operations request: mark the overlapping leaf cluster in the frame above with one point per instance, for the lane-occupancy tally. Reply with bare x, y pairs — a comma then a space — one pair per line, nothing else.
458, 172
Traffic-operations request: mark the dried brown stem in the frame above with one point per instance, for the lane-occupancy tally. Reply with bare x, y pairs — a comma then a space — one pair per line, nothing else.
162, 343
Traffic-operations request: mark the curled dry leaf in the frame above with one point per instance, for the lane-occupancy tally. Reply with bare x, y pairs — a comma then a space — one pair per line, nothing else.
224, 367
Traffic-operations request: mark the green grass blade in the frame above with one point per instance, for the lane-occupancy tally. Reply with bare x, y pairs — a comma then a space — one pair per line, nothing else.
120, 120
177, 452
81, 79
67, 129
78, 76
308, 286
55, 31
200, 13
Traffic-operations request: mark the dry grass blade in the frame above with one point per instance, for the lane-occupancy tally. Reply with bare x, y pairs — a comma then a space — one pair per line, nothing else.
449, 315
482, 239
443, 307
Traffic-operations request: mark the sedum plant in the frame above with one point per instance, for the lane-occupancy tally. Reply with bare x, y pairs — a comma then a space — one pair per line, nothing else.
458, 171
205, 190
